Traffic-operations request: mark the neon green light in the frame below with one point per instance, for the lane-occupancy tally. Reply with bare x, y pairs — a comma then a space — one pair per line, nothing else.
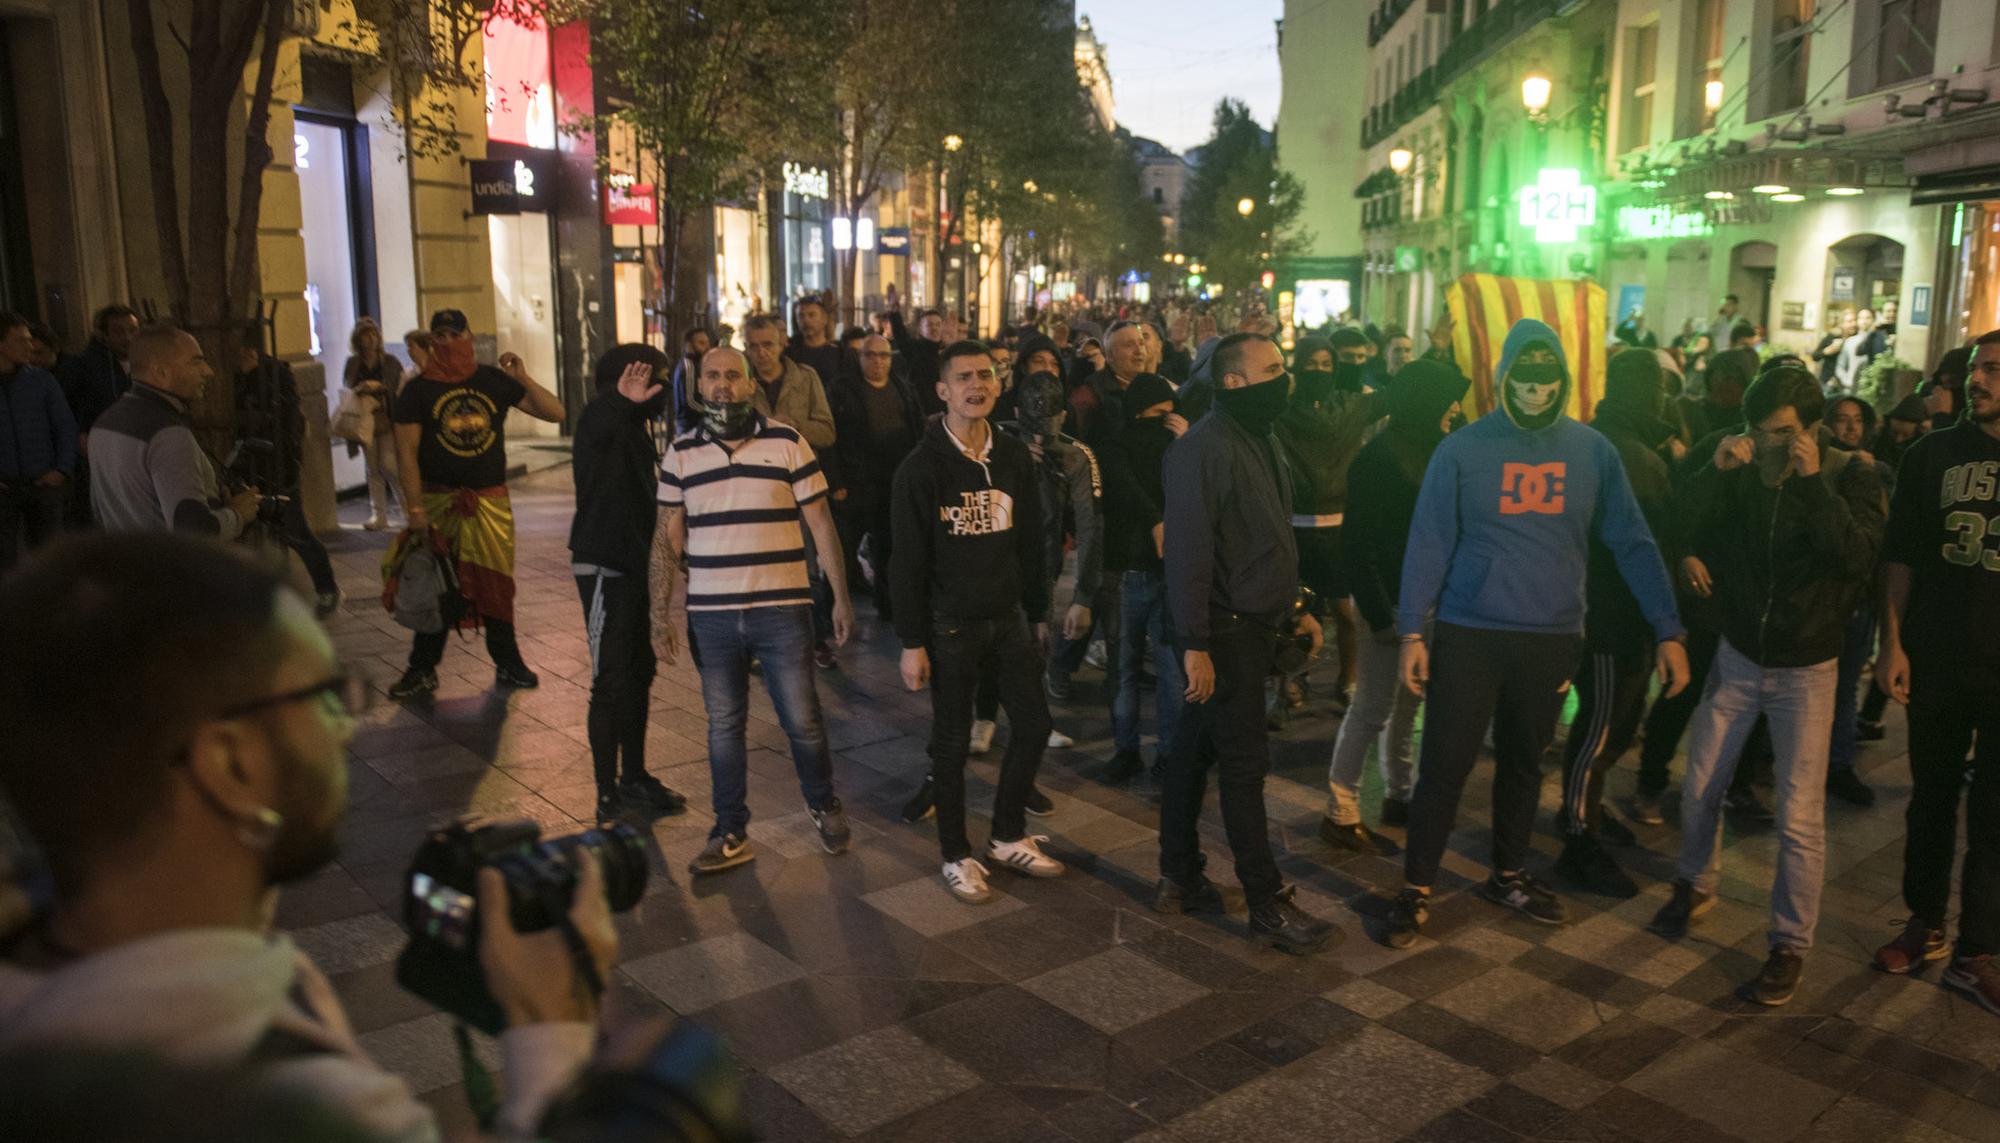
1643, 222
1558, 205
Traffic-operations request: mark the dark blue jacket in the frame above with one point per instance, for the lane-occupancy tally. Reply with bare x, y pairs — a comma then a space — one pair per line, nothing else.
37, 433
93, 381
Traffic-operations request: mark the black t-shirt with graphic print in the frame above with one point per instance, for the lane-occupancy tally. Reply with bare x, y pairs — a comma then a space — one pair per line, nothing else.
464, 442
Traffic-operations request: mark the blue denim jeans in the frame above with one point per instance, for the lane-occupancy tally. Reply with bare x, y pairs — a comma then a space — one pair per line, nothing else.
1853, 656
781, 639
1797, 703
1143, 620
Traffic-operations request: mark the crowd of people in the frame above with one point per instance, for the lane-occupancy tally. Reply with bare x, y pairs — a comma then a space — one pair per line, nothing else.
1719, 554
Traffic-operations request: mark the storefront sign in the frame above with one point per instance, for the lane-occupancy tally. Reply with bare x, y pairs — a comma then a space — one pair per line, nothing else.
1645, 222
1409, 259
807, 182
1792, 315
1631, 299
1843, 284
1558, 205
895, 239
629, 204
511, 186
1920, 305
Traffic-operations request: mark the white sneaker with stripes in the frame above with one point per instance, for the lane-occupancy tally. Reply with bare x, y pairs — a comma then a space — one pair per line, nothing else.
1024, 856
966, 879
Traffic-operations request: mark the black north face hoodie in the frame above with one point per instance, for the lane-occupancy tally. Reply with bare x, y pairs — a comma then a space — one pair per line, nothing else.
967, 534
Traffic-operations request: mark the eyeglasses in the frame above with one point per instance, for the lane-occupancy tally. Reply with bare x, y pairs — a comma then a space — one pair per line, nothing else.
351, 692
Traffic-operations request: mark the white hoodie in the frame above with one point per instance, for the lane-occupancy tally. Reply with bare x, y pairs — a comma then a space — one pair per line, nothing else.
211, 996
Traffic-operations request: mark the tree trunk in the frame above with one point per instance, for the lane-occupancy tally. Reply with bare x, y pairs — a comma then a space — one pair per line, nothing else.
163, 177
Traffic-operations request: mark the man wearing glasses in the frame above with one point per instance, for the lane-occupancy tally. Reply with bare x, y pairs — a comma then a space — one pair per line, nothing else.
877, 421
223, 779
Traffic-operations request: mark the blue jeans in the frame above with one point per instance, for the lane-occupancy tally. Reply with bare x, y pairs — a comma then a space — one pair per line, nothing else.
780, 638
1853, 656
1797, 703
1142, 620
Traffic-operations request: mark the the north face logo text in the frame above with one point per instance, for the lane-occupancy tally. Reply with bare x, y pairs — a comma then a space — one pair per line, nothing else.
979, 513
1526, 488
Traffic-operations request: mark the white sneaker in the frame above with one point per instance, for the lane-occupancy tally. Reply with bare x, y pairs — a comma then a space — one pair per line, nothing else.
1024, 856
982, 736
1094, 655
1058, 740
966, 879
376, 523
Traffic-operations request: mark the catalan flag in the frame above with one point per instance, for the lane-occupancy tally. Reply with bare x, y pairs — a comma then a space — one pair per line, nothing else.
1483, 306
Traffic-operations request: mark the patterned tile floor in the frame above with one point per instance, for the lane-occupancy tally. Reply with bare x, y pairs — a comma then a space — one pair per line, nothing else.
868, 1005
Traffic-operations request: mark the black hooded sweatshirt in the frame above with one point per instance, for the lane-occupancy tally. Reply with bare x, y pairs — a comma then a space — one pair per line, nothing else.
616, 469
1383, 482
1634, 426
967, 535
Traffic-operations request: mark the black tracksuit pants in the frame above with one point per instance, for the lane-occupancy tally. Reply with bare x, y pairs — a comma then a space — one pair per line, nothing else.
1954, 707
1512, 680
1229, 733
427, 649
1611, 697
617, 612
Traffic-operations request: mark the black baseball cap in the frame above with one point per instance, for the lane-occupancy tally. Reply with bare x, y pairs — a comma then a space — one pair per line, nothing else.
450, 321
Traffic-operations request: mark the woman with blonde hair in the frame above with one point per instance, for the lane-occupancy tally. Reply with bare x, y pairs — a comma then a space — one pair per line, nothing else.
372, 372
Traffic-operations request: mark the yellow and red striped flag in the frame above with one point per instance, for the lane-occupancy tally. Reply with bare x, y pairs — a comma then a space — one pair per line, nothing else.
1484, 306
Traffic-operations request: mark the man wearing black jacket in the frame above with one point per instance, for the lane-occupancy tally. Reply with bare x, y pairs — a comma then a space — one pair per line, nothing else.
1382, 484
1232, 579
966, 573
1789, 532
267, 410
1940, 654
1618, 642
876, 423
1134, 506
616, 468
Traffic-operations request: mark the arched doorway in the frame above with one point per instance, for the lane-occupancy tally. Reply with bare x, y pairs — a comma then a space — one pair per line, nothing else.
1752, 267
1864, 271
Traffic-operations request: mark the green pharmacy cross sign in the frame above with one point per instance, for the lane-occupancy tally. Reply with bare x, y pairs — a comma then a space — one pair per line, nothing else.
1559, 205
1643, 222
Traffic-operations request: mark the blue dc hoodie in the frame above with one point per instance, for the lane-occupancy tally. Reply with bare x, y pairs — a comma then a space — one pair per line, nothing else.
1501, 535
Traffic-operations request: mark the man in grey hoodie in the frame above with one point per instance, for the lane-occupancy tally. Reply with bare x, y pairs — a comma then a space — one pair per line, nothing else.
223, 779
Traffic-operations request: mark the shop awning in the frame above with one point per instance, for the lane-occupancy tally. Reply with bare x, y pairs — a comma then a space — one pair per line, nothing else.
1948, 187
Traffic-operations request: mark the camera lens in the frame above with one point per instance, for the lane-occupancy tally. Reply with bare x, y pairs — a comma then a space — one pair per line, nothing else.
621, 853
541, 878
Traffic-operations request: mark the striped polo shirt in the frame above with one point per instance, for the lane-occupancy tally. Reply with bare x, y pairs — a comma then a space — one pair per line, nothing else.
744, 546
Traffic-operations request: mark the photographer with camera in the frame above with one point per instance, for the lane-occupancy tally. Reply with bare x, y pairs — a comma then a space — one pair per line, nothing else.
148, 472
223, 779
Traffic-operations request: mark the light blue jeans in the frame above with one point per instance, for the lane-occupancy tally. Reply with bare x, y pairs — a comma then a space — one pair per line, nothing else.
781, 640
1798, 703
1383, 714
1144, 622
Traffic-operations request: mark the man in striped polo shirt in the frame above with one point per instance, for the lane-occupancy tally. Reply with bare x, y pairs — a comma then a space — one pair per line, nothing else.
732, 492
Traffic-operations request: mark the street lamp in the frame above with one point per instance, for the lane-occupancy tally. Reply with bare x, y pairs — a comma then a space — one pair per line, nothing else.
1030, 186
1245, 205
953, 142
1399, 160
1535, 92
1711, 96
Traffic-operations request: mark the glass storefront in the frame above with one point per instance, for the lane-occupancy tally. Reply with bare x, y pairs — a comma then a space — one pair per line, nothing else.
807, 255
321, 159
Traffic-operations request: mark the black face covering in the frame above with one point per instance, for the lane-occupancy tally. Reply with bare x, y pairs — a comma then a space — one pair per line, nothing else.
1315, 385
1349, 377
1257, 407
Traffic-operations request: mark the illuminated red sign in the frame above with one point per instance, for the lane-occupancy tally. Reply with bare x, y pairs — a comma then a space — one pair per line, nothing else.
630, 205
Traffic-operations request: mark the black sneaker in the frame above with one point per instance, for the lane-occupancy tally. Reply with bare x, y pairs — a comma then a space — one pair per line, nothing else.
1778, 980
1125, 766
516, 675
415, 683
610, 806
1745, 804
1610, 829
923, 803
1284, 927
1585, 864
823, 656
832, 826
1354, 838
1644, 806
1059, 688
1396, 812
1525, 895
1846, 785
650, 793
725, 852
1197, 896
1866, 731
1684, 906
1407, 915
1037, 803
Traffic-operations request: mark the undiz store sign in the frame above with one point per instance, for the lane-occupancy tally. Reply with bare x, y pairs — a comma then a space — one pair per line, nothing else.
510, 186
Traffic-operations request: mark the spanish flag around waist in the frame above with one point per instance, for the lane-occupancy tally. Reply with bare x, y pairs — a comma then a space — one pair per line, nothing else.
1483, 306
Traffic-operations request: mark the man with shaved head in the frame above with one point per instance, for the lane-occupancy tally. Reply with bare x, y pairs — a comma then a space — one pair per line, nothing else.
149, 473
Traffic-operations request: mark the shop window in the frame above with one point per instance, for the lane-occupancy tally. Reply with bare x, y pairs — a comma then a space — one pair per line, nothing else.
1635, 126
1904, 44
1703, 97
1159, 195
1791, 53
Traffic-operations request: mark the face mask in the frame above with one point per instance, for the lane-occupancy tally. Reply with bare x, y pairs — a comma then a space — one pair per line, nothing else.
729, 420
1532, 390
452, 360
1348, 377
1315, 385
1257, 407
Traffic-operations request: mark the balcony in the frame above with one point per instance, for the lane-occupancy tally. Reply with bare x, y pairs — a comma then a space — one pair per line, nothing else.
1465, 51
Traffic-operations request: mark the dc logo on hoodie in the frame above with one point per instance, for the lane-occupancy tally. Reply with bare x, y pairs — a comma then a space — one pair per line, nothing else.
980, 513
1536, 488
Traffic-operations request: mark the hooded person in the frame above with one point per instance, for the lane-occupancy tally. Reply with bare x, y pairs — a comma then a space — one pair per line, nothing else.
616, 468
1499, 549
1618, 641
1901, 426
1720, 407
1382, 492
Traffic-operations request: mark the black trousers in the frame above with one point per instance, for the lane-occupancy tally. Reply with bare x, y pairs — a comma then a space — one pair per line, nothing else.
1954, 707
427, 650
617, 612
30, 516
1611, 697
1513, 681
299, 537
960, 649
867, 520
1226, 732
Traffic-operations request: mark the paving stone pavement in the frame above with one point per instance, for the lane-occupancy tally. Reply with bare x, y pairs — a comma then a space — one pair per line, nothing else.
869, 1005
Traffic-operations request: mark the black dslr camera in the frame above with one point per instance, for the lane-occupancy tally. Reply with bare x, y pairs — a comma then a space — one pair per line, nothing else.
441, 962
